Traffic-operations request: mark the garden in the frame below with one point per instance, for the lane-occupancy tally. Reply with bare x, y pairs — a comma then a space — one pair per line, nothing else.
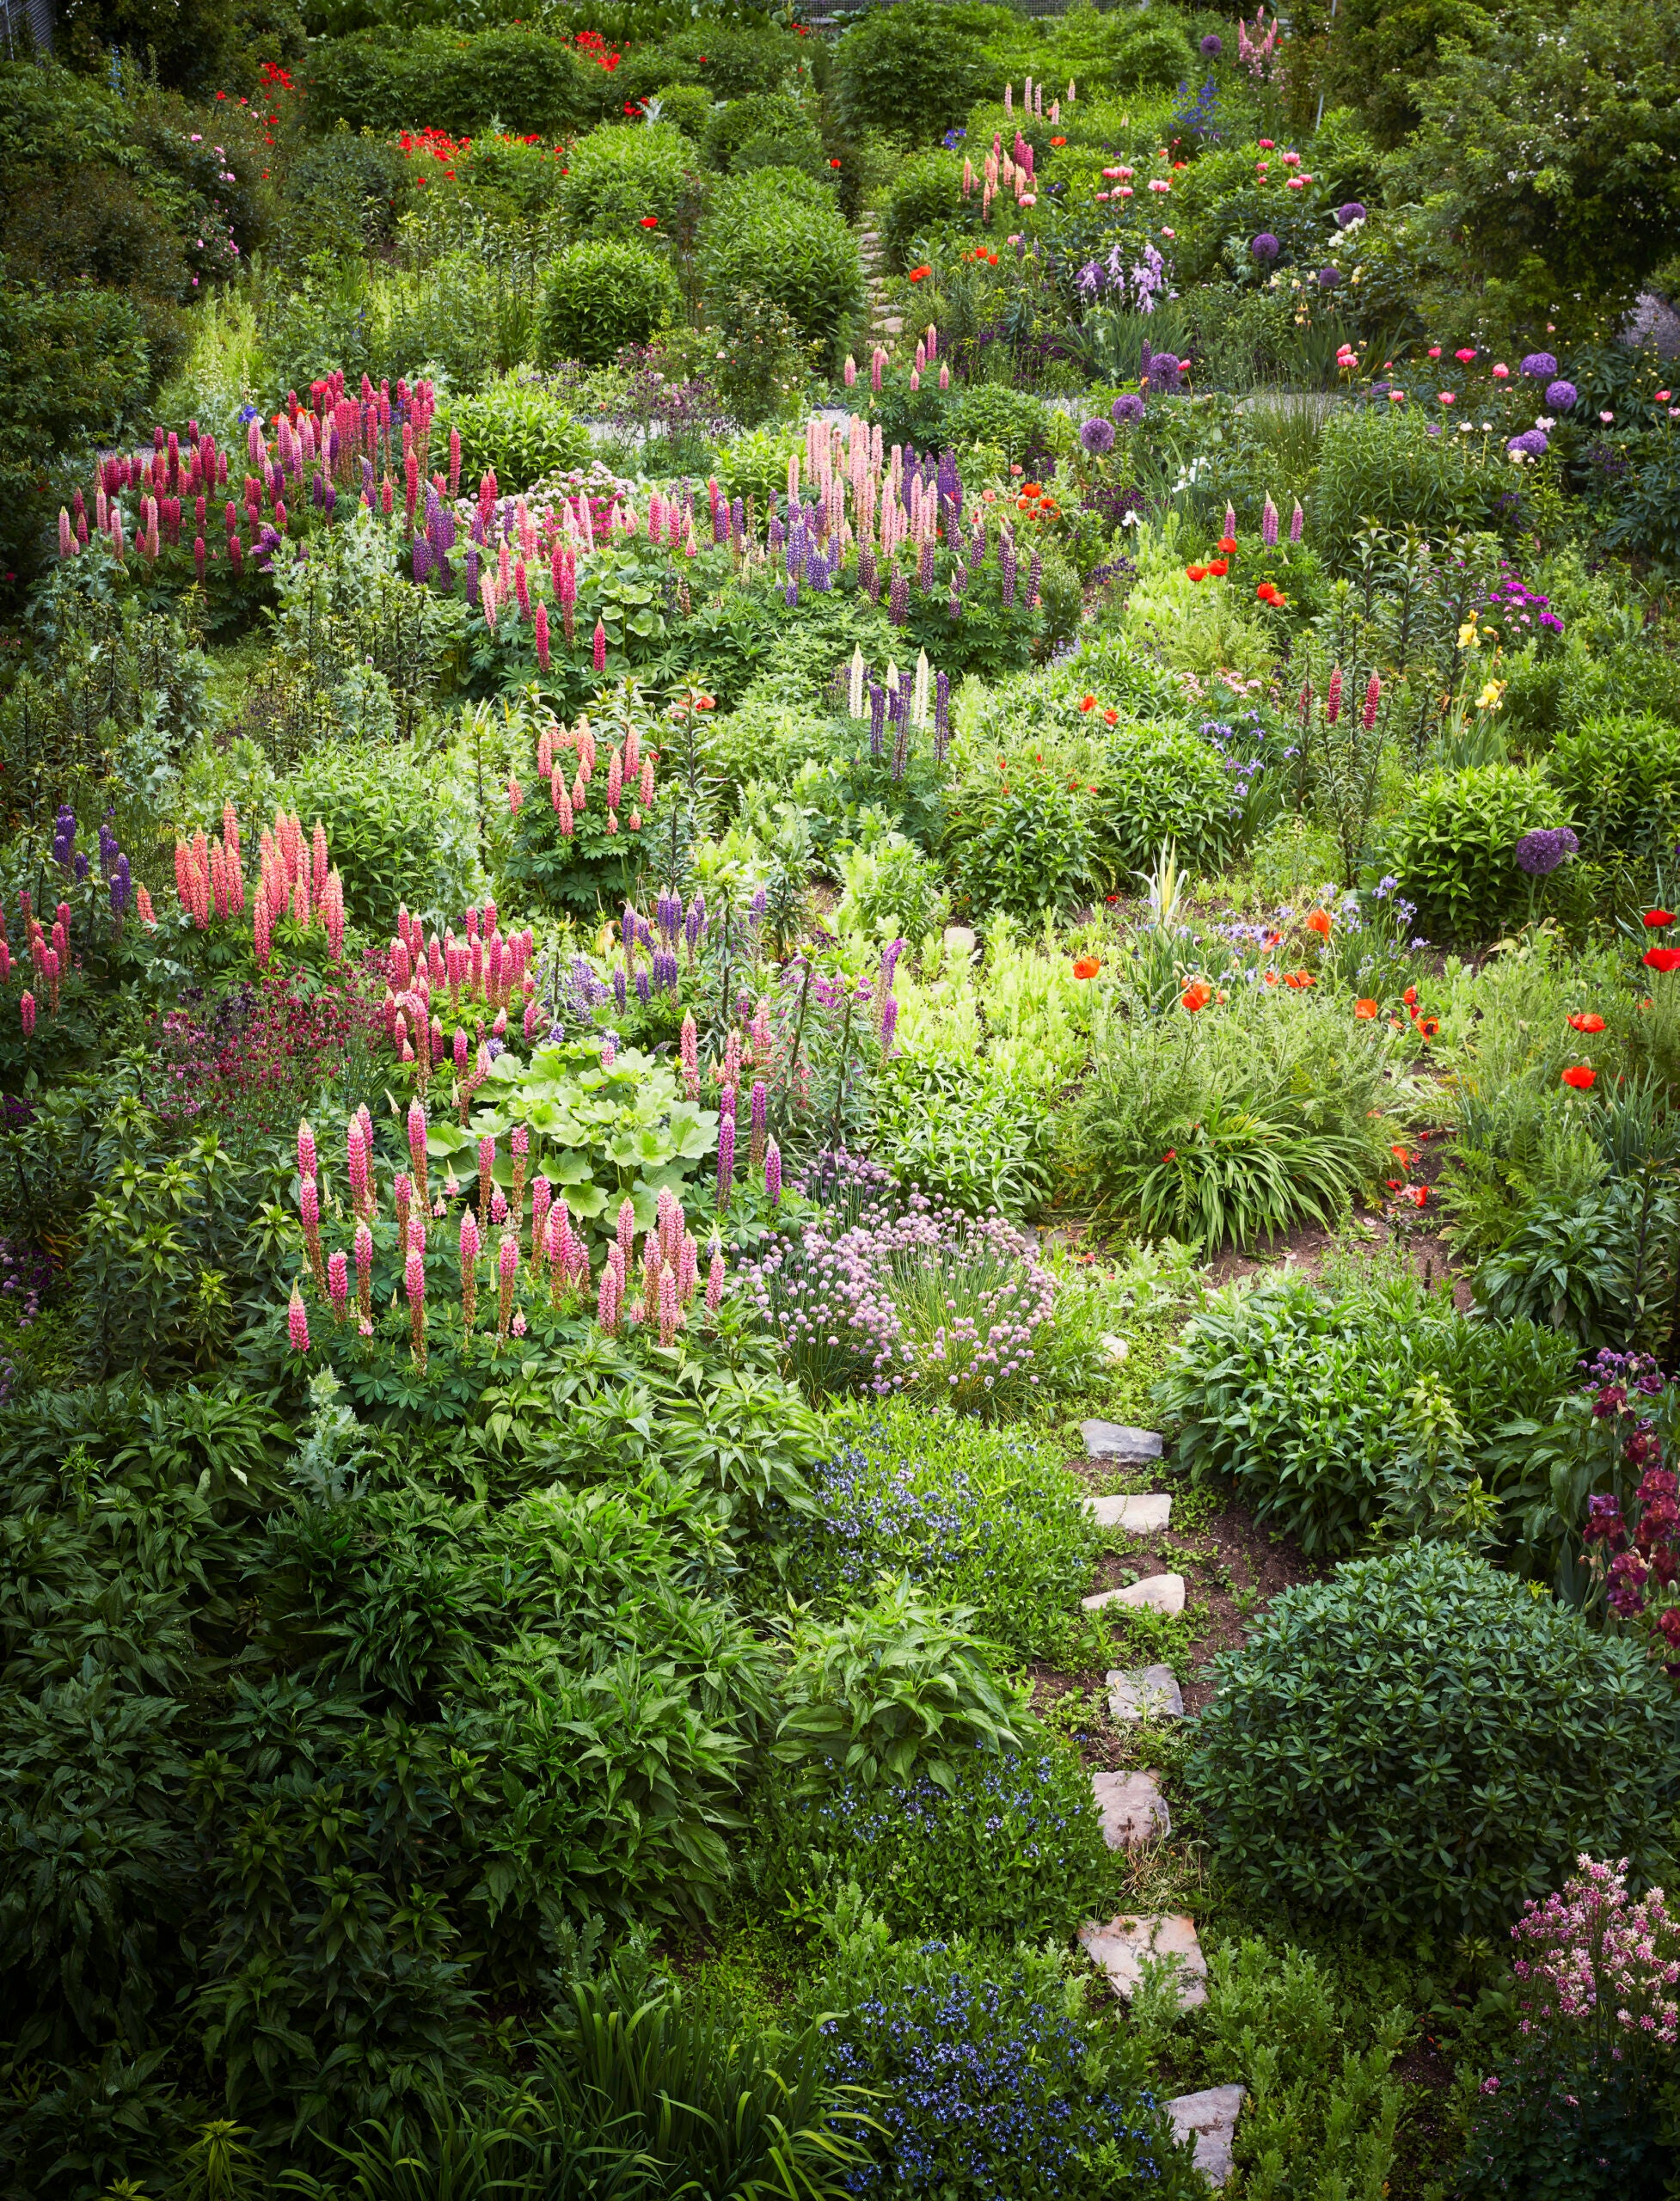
839, 1101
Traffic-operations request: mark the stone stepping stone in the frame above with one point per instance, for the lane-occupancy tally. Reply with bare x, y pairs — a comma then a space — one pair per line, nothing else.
1113, 1348
1121, 1945
1209, 2118
1134, 1811
1145, 1693
893, 325
1143, 1513
1112, 1440
1157, 1593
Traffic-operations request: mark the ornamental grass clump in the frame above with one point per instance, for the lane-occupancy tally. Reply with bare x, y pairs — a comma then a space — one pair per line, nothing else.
912, 1296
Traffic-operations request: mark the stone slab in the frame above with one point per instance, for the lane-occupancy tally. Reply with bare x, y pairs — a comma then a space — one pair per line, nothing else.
1120, 1944
1157, 1593
1142, 1513
1209, 2118
959, 942
1114, 1440
1134, 1811
1147, 1692
1113, 1348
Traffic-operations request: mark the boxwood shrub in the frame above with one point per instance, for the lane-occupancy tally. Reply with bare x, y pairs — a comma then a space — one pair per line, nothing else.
602, 294
1423, 1742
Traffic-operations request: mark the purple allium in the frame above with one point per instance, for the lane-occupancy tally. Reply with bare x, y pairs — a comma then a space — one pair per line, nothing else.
1560, 396
1543, 850
1328, 278
1127, 410
1265, 247
1097, 436
1539, 366
1531, 443
1213, 45
1347, 215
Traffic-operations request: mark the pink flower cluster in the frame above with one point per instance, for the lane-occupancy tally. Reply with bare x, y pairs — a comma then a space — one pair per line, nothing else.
295, 873
484, 970
1592, 1956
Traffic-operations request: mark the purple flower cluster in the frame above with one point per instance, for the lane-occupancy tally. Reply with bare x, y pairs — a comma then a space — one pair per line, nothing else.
1516, 602
1544, 849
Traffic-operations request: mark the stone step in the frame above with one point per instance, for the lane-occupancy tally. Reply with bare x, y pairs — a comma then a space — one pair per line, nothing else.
894, 324
1113, 1348
1143, 1513
1145, 1693
1209, 2118
1114, 1440
1121, 1945
1157, 1593
1134, 1811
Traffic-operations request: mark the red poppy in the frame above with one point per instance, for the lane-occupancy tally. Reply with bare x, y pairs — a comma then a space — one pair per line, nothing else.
1318, 921
1217, 567
1196, 996
1410, 997
1088, 702
1299, 979
1195, 572
1228, 546
1270, 976
1402, 1155
1427, 1026
834, 164
1658, 918
1591, 1022
1579, 1077
1418, 1194
1086, 966
1171, 1154
1662, 959
650, 221
916, 273
1367, 1009
1111, 718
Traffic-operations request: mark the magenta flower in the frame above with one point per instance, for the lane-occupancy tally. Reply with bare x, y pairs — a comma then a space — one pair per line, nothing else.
297, 1323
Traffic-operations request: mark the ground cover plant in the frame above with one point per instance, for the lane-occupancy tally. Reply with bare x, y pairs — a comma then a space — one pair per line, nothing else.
839, 936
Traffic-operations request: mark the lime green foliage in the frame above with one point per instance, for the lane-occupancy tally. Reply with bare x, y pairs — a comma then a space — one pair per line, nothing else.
1384, 465
617, 177
1454, 849
1373, 1746
1304, 1397
1618, 780
397, 836
602, 294
518, 429
776, 235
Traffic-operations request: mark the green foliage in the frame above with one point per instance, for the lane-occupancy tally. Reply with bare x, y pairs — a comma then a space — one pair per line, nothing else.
895, 1688
1382, 465
1023, 843
519, 79
1374, 1743
615, 178
731, 63
924, 192
992, 414
1155, 786
769, 130
1454, 849
520, 429
918, 67
764, 237
396, 833
1304, 1397
1154, 56
602, 294
1618, 780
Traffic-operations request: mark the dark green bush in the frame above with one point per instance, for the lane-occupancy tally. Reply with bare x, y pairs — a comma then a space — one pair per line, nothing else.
1618, 778
731, 64
1423, 1742
618, 177
924, 192
1454, 849
388, 79
1010, 420
766, 130
1157, 784
1154, 56
351, 188
776, 235
1382, 464
520, 428
602, 295
917, 68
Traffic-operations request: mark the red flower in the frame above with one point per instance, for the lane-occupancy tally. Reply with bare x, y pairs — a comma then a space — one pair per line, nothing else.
1658, 918
1111, 718
916, 273
1196, 996
1086, 966
1228, 546
1410, 997
1171, 1154
1088, 702
1299, 979
1318, 921
1366, 1009
1579, 1077
1591, 1022
650, 221
1217, 567
1427, 1026
1196, 573
834, 164
1662, 959
1418, 1194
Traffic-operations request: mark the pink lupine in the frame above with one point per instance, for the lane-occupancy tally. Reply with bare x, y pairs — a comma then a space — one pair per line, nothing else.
417, 1149
626, 1235
541, 624
615, 780
726, 1177
645, 787
714, 1281
338, 1285
308, 1208
1373, 697
469, 1251
413, 1283
670, 1314
542, 1194
307, 1164
26, 1012
363, 1271
516, 797
599, 660
773, 1174
507, 1269
759, 1122
1332, 698
688, 1267
297, 1323
403, 1190
520, 1143
610, 1298
487, 1162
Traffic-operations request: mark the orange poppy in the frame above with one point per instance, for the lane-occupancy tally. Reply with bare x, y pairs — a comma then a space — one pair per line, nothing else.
1579, 1077
1299, 979
1410, 997
1591, 1022
1318, 921
1111, 718
1195, 572
1197, 996
1217, 567
1418, 1194
1086, 966
1088, 702
1228, 546
1427, 1026
1367, 1009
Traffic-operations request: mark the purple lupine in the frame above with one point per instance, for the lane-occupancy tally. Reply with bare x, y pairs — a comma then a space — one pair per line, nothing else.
877, 716
422, 558
889, 964
760, 1119
898, 602
738, 523
1297, 520
1269, 524
1034, 572
773, 1174
694, 925
942, 716
725, 1159
472, 576
620, 991
121, 888
1006, 559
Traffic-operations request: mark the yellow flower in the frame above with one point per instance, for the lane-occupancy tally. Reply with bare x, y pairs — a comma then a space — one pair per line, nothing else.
1468, 637
1490, 696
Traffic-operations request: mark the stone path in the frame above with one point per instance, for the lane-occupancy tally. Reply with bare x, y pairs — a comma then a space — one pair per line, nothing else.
1134, 1811
1127, 1448
1210, 2118
1157, 1593
1121, 1945
1141, 1513
881, 323
1147, 1693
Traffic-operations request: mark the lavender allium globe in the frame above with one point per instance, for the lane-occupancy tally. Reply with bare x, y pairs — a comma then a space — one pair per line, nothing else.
1097, 436
1347, 215
1539, 366
1127, 410
1560, 396
1163, 373
1265, 247
1328, 278
1531, 443
1543, 850
1213, 45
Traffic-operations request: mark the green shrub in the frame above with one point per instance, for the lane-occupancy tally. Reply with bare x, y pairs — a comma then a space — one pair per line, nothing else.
619, 176
768, 130
1153, 57
1454, 849
394, 834
351, 189
686, 107
969, 1510
1157, 784
777, 236
1012, 421
917, 68
1618, 778
1421, 1742
1382, 464
520, 429
1302, 1398
923, 193
1015, 1849
602, 295
1024, 843
731, 64
385, 80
